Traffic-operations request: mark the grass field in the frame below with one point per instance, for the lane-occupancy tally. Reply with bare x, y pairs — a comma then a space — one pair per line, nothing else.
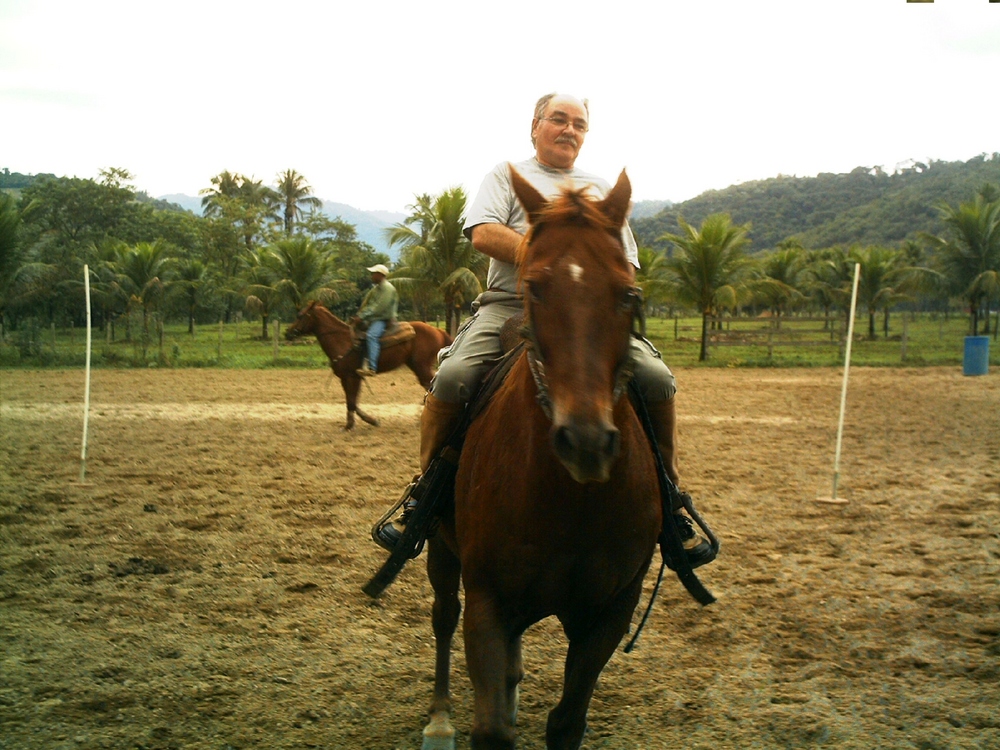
931, 339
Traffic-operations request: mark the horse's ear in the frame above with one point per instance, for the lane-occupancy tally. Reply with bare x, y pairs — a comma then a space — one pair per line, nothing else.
530, 198
616, 203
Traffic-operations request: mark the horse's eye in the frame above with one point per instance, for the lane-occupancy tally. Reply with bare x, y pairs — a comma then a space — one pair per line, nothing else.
628, 301
535, 292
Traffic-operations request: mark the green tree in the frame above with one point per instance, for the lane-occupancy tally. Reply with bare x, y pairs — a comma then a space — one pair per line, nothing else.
294, 193
710, 271
301, 272
884, 280
11, 253
436, 257
780, 278
968, 256
262, 295
144, 275
828, 279
651, 268
244, 203
192, 283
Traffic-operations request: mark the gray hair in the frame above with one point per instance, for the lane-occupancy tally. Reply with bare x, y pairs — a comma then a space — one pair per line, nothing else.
543, 103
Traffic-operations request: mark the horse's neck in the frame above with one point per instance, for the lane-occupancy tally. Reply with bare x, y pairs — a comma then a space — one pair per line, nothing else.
334, 335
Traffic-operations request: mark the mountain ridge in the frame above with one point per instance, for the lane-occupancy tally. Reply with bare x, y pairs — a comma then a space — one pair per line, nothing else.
370, 225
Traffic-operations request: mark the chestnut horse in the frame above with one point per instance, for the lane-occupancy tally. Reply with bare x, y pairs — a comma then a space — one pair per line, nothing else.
557, 504
337, 339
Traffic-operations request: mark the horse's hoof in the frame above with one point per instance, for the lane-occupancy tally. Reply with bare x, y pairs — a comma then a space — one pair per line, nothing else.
439, 734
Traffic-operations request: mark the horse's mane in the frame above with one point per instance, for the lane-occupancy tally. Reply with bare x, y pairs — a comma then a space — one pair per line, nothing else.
323, 313
573, 207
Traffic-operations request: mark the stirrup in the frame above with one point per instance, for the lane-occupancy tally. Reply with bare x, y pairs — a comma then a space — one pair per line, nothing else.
704, 552
384, 533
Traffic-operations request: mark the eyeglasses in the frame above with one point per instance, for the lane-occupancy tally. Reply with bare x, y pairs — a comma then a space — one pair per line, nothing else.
562, 122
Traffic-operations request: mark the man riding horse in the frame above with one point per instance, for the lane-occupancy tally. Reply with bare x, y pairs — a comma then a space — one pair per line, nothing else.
378, 310
496, 224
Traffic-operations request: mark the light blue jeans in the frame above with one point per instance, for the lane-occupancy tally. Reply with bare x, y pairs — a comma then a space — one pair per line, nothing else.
375, 330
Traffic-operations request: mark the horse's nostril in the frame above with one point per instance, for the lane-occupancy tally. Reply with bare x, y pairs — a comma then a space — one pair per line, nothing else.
614, 442
564, 441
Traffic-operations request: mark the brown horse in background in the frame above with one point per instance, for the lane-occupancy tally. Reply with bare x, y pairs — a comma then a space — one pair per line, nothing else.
337, 340
557, 504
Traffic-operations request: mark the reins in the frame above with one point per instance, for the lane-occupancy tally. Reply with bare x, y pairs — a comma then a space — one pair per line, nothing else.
672, 549
329, 331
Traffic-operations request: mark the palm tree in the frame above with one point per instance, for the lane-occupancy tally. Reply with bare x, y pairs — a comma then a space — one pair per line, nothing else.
193, 279
828, 279
647, 277
710, 271
884, 280
225, 187
11, 252
436, 255
262, 296
294, 193
781, 278
106, 289
301, 272
144, 274
242, 202
969, 257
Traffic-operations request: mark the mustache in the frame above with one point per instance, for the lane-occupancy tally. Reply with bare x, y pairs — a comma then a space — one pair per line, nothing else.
567, 139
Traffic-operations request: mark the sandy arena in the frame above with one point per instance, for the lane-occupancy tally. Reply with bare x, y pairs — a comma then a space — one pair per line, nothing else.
202, 587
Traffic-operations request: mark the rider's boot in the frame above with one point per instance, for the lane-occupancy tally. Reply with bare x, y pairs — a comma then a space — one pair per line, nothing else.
437, 421
365, 370
664, 417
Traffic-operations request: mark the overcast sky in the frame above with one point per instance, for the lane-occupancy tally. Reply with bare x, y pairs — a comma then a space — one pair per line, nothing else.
374, 102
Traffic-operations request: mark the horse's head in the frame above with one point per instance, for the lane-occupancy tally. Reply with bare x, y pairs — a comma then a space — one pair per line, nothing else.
305, 323
579, 299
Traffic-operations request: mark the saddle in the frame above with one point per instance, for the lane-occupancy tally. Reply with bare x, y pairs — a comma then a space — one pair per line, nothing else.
395, 333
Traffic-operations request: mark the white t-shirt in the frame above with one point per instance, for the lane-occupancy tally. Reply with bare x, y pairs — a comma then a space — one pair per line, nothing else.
495, 203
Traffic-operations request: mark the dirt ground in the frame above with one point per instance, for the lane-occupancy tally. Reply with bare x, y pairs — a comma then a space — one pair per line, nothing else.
201, 588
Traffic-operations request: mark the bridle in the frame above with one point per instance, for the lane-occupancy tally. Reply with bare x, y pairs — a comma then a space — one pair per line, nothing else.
623, 373
328, 332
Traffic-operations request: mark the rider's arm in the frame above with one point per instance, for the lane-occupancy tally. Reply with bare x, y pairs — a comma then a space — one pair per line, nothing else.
496, 240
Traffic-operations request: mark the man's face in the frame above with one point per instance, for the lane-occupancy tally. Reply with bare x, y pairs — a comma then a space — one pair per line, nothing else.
377, 278
559, 133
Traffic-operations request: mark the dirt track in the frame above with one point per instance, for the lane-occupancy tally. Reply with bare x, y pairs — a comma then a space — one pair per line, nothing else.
202, 588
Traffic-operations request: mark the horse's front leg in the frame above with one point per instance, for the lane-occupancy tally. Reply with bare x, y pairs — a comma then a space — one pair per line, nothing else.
444, 572
593, 639
350, 383
493, 657
352, 386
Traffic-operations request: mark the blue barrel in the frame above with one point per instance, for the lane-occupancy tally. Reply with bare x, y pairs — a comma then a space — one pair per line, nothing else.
977, 355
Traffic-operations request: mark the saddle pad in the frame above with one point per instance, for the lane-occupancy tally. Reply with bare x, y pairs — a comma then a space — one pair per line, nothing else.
396, 333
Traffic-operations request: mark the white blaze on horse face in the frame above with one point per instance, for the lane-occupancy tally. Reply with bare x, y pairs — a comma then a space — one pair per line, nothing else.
576, 272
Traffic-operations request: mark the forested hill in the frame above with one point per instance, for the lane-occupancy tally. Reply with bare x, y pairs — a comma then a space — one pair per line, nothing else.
867, 206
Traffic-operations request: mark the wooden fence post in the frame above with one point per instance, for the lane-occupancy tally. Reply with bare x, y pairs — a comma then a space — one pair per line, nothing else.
277, 326
218, 351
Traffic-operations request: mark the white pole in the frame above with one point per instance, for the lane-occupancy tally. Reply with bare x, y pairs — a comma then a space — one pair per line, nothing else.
843, 391
86, 388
